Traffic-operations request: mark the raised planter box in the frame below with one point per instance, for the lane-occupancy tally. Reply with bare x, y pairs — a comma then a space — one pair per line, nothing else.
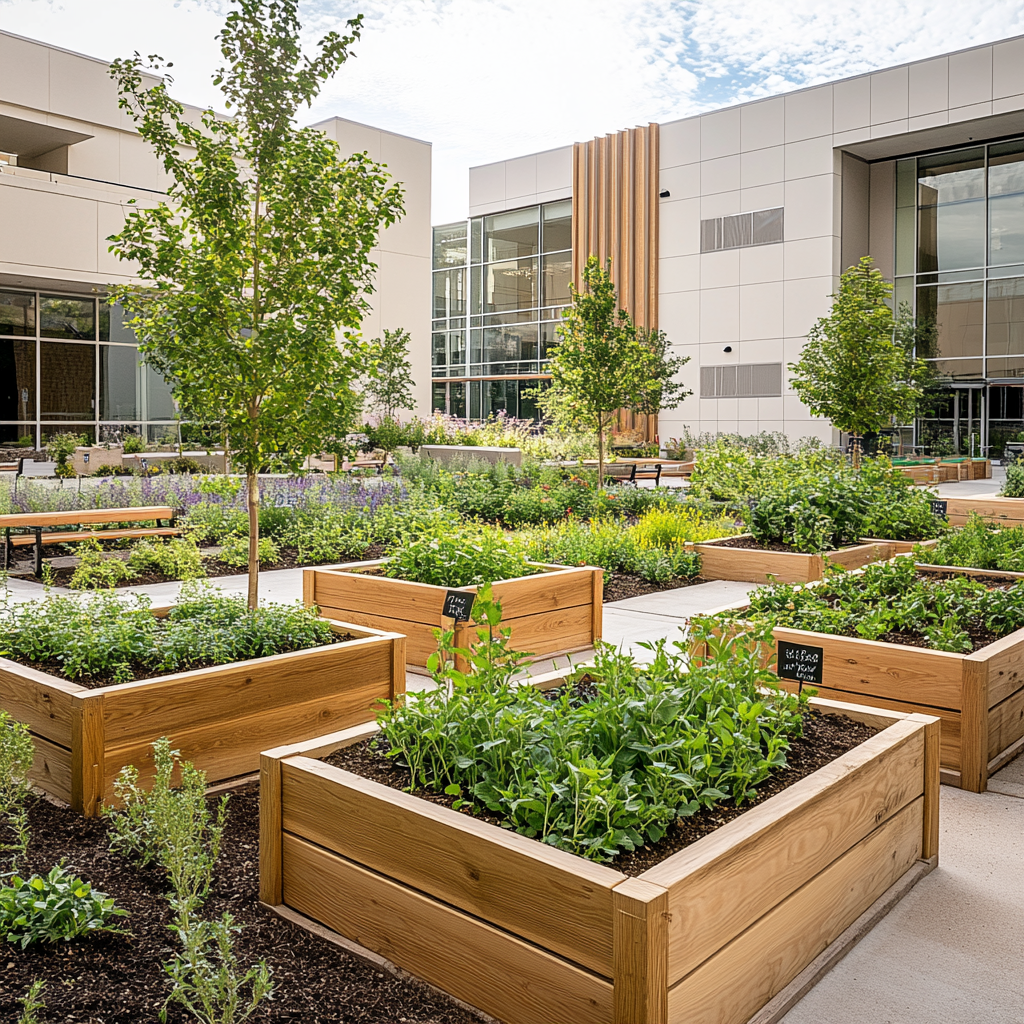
215, 461
220, 717
557, 611
467, 452
1003, 511
90, 458
749, 565
979, 697
535, 935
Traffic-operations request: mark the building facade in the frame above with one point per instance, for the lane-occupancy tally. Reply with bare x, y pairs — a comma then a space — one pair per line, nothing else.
761, 206
70, 162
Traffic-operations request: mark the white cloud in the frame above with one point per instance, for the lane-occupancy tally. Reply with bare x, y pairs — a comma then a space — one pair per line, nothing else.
488, 79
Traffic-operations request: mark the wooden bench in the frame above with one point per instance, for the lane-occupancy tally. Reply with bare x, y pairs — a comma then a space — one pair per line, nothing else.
645, 469
46, 527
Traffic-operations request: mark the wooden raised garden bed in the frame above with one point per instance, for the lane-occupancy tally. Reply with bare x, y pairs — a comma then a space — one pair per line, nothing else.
1002, 511
220, 717
979, 697
535, 935
759, 565
556, 611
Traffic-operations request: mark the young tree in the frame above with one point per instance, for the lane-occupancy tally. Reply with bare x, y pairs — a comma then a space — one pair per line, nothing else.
859, 366
261, 254
389, 382
604, 362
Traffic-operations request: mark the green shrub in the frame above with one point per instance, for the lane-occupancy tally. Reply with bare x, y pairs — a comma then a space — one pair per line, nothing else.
95, 571
671, 527
101, 637
978, 545
603, 774
60, 447
891, 598
457, 558
178, 558
235, 550
210, 521
55, 907
16, 753
26, 441
1013, 486
133, 444
32, 1002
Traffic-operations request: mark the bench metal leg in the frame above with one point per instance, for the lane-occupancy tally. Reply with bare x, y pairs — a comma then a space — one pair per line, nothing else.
7, 547
657, 475
39, 552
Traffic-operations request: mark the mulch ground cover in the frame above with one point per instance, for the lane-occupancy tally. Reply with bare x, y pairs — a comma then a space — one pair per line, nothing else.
109, 979
825, 738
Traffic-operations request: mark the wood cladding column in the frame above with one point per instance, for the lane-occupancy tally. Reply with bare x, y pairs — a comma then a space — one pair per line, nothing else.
615, 216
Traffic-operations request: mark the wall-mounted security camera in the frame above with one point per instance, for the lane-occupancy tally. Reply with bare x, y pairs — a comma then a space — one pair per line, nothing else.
664, 194
728, 348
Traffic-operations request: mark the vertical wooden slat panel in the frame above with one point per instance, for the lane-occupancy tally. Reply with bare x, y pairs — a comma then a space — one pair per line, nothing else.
615, 216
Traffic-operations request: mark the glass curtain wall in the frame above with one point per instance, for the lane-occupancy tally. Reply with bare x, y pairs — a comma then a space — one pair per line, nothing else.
69, 363
960, 264
500, 285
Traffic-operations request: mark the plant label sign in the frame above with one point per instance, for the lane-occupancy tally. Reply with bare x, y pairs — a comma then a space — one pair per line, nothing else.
801, 663
458, 605
939, 508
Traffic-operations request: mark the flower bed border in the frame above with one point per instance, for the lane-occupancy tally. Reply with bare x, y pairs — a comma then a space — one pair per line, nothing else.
979, 697
219, 717
555, 611
748, 565
993, 509
531, 934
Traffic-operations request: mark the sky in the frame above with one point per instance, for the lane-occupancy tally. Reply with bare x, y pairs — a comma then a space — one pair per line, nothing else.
485, 80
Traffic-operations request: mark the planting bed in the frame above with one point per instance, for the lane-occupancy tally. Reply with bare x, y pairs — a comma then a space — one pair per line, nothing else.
743, 559
979, 696
555, 611
533, 934
219, 717
120, 979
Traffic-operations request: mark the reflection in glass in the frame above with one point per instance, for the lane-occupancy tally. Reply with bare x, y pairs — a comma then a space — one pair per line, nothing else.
1006, 229
906, 183
511, 285
159, 403
951, 177
1006, 317
476, 231
457, 351
557, 272
906, 226
508, 236
439, 349
119, 383
112, 325
457, 399
957, 310
557, 226
1006, 168
18, 313
438, 397
450, 245
67, 387
62, 316
951, 236
1012, 366
958, 369
449, 293
548, 338
17, 380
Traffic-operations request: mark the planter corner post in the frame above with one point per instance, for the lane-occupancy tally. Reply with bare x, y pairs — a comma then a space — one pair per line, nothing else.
640, 957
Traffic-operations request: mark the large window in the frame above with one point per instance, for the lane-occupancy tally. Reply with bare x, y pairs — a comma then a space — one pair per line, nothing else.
500, 285
70, 362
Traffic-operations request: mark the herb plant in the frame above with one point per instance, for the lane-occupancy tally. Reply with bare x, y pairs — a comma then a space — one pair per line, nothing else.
179, 558
891, 600
101, 637
601, 768
978, 545
235, 550
16, 752
96, 570
32, 1002
55, 907
457, 558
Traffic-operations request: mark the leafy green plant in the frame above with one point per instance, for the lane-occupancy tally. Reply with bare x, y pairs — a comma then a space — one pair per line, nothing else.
178, 557
26, 441
133, 444
1013, 485
96, 571
235, 550
98, 636
32, 1002
457, 558
16, 753
978, 545
55, 907
60, 447
891, 598
606, 763
671, 527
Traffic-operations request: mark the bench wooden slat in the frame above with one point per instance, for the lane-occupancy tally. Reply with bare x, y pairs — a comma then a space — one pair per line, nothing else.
25, 539
83, 516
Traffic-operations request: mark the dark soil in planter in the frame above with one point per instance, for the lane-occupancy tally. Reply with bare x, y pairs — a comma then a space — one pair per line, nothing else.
622, 585
749, 544
108, 979
825, 738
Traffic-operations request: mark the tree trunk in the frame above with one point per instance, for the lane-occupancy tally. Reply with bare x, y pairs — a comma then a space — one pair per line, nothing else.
253, 503
855, 448
600, 455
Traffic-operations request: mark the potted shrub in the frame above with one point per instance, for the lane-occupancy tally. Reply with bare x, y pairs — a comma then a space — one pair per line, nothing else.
551, 609
99, 681
936, 639
535, 931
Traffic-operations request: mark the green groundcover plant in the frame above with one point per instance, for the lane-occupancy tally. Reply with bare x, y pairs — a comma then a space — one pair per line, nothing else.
602, 767
978, 545
890, 600
98, 636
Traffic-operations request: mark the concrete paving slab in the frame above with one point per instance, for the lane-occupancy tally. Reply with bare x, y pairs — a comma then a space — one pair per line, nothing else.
950, 952
683, 602
1009, 781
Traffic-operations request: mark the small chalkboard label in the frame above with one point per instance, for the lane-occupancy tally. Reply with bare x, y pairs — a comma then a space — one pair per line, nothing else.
801, 663
458, 605
939, 508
